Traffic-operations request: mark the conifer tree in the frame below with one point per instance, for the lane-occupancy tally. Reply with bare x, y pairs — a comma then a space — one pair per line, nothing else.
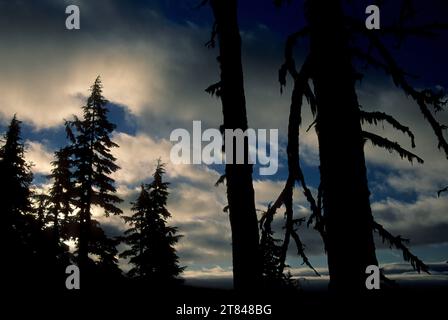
134, 236
15, 200
105, 248
16, 174
51, 254
58, 218
40, 209
151, 241
271, 250
61, 194
93, 164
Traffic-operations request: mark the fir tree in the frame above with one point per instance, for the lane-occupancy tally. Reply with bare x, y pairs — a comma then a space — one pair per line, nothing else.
40, 210
93, 164
18, 225
51, 253
151, 241
16, 174
271, 250
105, 248
58, 218
134, 236
61, 194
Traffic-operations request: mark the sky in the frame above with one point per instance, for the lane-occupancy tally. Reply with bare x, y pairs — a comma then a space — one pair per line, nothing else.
154, 64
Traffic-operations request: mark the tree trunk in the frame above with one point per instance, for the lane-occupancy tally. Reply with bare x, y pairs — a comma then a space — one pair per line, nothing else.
345, 190
84, 235
240, 191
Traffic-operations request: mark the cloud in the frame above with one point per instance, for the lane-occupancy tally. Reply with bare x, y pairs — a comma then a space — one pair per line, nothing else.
129, 78
197, 211
403, 176
213, 277
137, 157
423, 221
403, 274
214, 272
39, 155
155, 67
194, 202
397, 271
145, 60
436, 268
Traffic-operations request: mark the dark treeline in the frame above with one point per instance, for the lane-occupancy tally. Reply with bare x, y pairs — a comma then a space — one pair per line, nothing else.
38, 225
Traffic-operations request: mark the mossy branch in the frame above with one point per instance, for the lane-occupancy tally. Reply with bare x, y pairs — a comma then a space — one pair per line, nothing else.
400, 243
391, 146
376, 117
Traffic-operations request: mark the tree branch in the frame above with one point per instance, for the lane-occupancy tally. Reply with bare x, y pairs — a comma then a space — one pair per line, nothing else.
379, 141
441, 191
375, 117
422, 98
399, 243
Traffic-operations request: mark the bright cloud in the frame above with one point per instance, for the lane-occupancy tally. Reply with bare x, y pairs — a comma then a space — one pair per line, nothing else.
39, 155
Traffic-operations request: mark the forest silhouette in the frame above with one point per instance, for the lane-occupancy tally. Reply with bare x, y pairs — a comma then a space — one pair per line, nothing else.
38, 225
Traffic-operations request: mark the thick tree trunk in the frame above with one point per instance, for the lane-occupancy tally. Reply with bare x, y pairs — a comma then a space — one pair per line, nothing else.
346, 201
240, 192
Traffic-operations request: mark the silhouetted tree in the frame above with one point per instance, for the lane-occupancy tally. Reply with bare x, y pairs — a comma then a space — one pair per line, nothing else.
18, 225
240, 192
105, 248
92, 164
151, 241
16, 175
59, 217
41, 207
272, 263
61, 194
348, 217
52, 254
342, 213
134, 236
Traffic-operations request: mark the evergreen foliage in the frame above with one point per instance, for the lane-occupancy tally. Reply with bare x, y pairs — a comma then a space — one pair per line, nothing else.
151, 240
